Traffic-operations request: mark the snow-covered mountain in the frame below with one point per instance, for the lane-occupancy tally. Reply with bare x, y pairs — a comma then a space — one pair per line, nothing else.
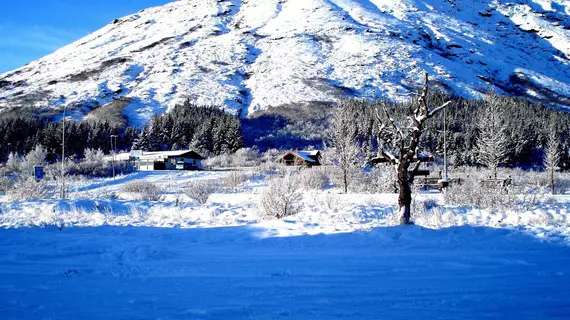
250, 55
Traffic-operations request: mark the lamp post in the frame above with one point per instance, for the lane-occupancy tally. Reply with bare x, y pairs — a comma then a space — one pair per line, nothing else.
444, 182
5, 170
62, 192
113, 150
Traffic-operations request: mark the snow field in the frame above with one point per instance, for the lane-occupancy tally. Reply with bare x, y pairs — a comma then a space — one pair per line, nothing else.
101, 202
341, 257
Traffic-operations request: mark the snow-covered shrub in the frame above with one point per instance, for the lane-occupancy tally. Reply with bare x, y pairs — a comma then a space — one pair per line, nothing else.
380, 179
471, 193
18, 164
328, 201
428, 214
235, 179
270, 156
6, 183
281, 198
219, 161
200, 191
26, 188
245, 157
143, 190
13, 163
93, 165
562, 183
313, 178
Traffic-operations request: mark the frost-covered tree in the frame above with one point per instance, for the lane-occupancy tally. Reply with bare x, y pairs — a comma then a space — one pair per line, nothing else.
347, 153
400, 147
493, 142
13, 162
552, 157
281, 198
36, 157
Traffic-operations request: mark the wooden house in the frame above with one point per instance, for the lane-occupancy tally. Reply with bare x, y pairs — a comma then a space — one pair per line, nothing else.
300, 158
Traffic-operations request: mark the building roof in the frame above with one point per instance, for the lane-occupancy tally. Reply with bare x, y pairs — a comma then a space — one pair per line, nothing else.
310, 156
123, 156
152, 155
166, 154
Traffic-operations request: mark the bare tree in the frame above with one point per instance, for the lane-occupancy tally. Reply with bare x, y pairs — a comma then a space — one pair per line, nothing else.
406, 142
344, 140
493, 143
552, 156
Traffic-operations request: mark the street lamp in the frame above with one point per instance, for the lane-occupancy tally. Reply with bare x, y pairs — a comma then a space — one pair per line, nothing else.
444, 183
62, 192
113, 150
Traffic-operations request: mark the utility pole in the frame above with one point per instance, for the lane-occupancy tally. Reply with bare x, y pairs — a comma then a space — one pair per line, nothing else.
444, 182
113, 150
5, 170
62, 193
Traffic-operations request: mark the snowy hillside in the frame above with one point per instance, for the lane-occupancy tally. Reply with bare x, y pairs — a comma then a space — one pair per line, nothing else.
250, 55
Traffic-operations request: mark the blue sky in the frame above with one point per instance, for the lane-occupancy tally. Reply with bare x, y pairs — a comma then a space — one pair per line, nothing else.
31, 29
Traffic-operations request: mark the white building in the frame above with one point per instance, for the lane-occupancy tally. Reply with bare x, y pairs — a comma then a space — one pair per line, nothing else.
161, 160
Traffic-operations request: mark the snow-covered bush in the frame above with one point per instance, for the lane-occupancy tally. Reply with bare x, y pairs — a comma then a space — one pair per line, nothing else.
270, 156
6, 183
13, 163
200, 191
562, 183
313, 178
93, 165
26, 188
18, 164
235, 179
281, 198
143, 190
471, 193
427, 213
245, 157
380, 179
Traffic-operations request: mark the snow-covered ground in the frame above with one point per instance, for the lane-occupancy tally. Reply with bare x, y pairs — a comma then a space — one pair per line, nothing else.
251, 55
340, 258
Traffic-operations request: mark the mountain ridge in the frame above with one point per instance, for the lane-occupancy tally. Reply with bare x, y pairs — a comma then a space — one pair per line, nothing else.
247, 56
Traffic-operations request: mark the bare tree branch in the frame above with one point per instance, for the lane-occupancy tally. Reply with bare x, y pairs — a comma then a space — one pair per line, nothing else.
394, 123
388, 155
415, 169
438, 109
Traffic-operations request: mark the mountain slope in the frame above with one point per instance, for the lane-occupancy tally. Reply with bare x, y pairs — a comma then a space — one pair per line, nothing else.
250, 55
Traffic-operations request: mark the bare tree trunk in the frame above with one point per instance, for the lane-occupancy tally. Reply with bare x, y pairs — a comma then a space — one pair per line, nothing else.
552, 180
408, 154
405, 194
345, 180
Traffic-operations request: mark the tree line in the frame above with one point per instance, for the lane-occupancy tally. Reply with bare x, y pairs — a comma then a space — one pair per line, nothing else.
517, 128
209, 130
205, 129
22, 135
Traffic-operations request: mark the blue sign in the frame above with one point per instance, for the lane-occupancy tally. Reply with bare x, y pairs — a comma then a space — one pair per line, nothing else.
39, 173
